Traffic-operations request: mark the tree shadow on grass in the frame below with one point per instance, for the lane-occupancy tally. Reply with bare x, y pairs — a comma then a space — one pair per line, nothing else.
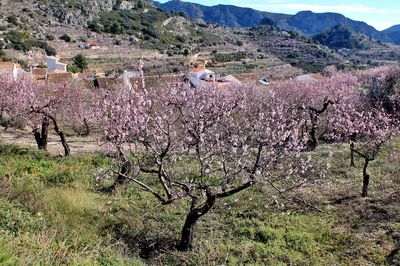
149, 247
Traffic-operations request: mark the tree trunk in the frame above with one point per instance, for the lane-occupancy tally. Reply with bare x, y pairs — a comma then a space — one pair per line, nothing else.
83, 130
365, 179
126, 169
187, 234
87, 128
352, 164
313, 141
67, 150
42, 137
352, 142
186, 242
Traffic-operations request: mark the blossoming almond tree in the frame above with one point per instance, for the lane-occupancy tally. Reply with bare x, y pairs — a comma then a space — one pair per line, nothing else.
315, 100
206, 144
40, 104
373, 128
9, 94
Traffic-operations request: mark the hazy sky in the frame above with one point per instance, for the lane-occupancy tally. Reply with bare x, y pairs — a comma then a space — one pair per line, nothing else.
379, 13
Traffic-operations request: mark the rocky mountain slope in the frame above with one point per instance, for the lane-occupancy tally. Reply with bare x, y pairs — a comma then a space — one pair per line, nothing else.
137, 21
304, 22
393, 33
343, 36
227, 15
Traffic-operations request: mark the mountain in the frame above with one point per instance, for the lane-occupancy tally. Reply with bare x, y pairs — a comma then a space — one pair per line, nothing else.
394, 28
227, 15
311, 23
342, 36
305, 22
393, 33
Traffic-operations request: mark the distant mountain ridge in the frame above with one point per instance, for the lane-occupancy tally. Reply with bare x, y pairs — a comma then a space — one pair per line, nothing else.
394, 28
227, 15
305, 22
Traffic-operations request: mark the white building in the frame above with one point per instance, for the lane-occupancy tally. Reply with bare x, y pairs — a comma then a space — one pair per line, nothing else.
54, 64
202, 74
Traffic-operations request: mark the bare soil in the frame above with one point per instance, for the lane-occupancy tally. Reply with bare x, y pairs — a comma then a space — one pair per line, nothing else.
79, 145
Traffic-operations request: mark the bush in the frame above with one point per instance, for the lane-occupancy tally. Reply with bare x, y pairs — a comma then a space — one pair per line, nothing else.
116, 28
239, 43
73, 69
65, 37
81, 61
12, 19
50, 37
94, 26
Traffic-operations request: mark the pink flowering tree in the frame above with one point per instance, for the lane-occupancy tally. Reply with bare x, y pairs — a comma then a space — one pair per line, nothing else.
40, 105
84, 118
7, 101
382, 87
203, 145
316, 100
372, 127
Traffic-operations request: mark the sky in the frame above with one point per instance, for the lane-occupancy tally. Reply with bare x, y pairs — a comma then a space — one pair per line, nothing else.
381, 14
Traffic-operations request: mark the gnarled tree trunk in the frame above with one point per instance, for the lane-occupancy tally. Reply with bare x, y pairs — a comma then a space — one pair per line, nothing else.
42, 136
187, 234
122, 177
67, 150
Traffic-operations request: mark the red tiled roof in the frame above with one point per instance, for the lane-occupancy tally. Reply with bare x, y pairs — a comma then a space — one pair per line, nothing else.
198, 69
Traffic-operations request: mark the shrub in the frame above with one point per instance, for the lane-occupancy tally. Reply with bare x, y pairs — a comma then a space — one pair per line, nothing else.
50, 37
65, 37
12, 19
81, 61
73, 69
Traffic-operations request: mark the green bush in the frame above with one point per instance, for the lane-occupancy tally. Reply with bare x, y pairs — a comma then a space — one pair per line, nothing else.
12, 19
81, 62
73, 69
65, 37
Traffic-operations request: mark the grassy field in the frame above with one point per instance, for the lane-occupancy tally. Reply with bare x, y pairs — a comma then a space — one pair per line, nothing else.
52, 212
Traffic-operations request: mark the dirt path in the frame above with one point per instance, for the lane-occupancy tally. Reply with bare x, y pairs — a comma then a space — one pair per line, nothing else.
78, 145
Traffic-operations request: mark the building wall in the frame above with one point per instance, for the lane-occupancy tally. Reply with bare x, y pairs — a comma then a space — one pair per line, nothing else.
204, 74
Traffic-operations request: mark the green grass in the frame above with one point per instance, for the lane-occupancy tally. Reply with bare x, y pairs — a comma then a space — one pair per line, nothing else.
52, 213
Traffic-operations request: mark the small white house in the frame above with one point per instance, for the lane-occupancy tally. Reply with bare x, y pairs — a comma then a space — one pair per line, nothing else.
54, 64
202, 74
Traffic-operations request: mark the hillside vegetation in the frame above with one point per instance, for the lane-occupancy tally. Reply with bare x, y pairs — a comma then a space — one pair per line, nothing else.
342, 36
